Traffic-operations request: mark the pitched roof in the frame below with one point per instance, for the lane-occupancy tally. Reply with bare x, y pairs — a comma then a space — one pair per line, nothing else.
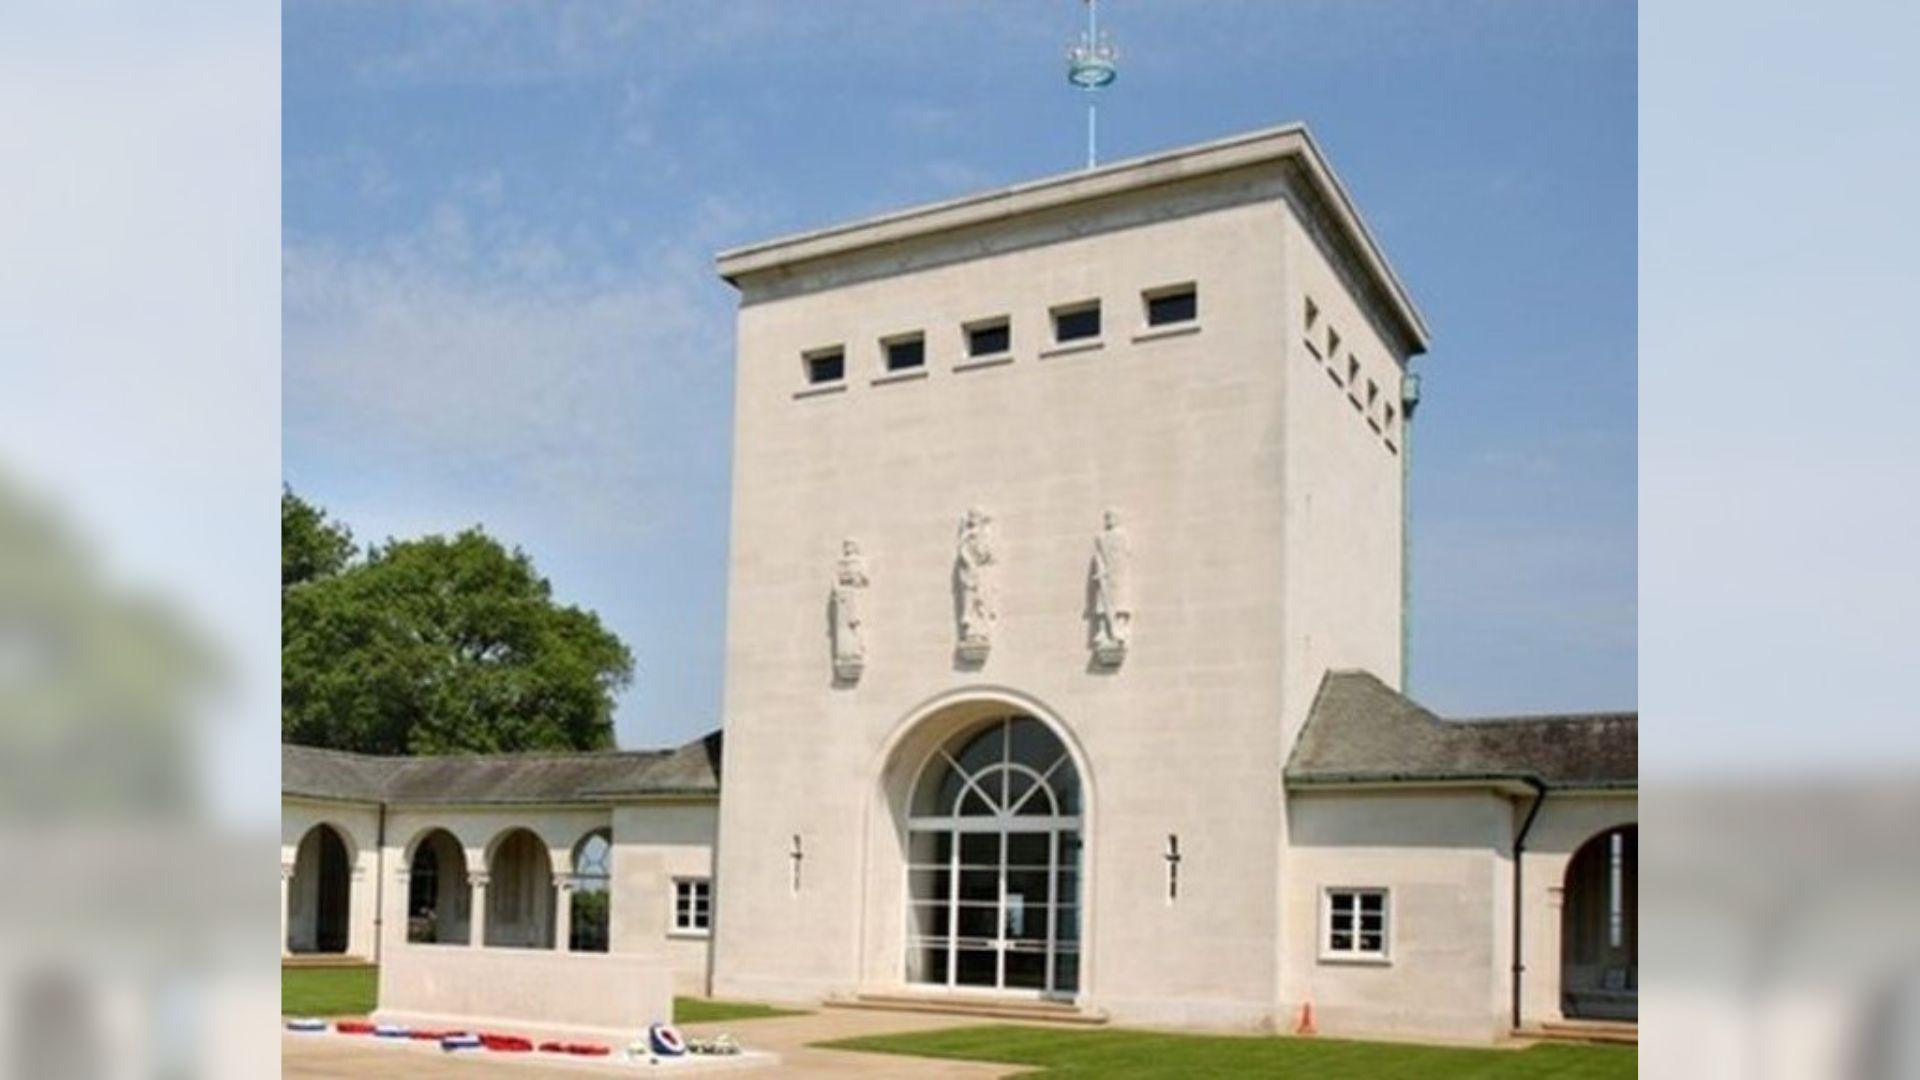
1362, 731
603, 776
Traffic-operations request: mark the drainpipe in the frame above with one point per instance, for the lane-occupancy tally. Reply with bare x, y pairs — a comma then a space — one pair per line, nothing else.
1409, 401
380, 883
1519, 849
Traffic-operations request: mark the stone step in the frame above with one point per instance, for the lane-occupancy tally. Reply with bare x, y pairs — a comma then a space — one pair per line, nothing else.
984, 1008
1620, 1032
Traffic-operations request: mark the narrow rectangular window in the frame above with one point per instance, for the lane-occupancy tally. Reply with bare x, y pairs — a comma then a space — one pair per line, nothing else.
1077, 323
1313, 314
1179, 304
692, 905
1353, 370
826, 366
1355, 924
906, 353
990, 338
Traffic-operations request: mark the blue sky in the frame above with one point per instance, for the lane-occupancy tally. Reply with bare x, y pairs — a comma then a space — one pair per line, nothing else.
499, 304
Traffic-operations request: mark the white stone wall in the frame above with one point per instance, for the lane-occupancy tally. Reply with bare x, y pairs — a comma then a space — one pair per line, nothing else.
1192, 438
1439, 855
655, 843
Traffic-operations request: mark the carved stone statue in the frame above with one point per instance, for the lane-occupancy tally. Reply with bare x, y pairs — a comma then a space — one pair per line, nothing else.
973, 585
1112, 573
849, 643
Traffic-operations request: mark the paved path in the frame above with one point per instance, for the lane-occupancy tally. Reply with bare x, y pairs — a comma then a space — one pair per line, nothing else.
335, 1058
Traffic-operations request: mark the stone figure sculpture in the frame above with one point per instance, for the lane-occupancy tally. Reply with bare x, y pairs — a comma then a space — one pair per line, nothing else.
849, 642
973, 585
1112, 573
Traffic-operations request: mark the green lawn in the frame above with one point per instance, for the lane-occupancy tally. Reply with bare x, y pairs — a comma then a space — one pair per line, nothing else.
328, 991
354, 992
1137, 1055
688, 1010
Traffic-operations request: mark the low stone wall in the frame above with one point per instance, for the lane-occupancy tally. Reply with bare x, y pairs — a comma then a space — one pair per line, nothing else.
528, 987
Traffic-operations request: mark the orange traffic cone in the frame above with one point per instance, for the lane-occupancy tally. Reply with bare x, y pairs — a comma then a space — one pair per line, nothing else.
1305, 1026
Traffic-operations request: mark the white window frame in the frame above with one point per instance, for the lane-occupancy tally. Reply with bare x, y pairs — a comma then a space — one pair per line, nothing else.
694, 885
1354, 954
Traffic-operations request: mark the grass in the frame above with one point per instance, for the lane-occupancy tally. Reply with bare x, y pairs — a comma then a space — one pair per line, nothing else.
689, 1010
354, 991
1139, 1055
349, 991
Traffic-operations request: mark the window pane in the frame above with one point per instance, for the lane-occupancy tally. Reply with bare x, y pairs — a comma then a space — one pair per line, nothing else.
1342, 902
980, 849
1077, 324
1030, 885
1066, 972
978, 921
1066, 925
930, 920
1370, 942
980, 885
1028, 849
1341, 941
902, 355
1372, 901
1027, 970
927, 965
989, 340
1033, 744
975, 967
1173, 308
827, 367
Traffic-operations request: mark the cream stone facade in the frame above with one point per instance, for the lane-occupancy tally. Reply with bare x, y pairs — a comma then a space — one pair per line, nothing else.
1065, 630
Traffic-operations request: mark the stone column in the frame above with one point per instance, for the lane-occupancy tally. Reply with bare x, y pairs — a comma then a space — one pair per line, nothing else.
563, 912
286, 897
477, 909
402, 880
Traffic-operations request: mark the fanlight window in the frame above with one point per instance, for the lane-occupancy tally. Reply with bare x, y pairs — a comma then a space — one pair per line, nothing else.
1012, 768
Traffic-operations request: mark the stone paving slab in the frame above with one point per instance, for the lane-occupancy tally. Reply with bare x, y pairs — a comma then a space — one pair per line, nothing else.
344, 1057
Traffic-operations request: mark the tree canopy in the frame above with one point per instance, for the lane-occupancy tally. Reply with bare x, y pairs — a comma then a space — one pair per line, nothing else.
436, 645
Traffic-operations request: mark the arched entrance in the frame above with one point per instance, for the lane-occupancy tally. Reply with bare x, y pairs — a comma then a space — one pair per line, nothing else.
1600, 929
520, 893
994, 863
439, 895
320, 894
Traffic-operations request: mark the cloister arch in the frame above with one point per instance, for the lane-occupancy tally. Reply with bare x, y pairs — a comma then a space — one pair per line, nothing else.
439, 892
590, 912
320, 895
520, 891
979, 868
1600, 928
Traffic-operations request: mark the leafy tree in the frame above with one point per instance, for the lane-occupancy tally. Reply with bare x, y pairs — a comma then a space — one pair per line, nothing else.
442, 645
311, 545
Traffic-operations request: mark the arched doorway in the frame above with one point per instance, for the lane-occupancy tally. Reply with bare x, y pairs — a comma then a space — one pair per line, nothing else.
994, 863
520, 892
1600, 929
320, 895
590, 916
439, 896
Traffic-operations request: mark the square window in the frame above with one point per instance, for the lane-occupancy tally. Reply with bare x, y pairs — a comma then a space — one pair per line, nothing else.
1080, 322
990, 338
826, 366
1177, 304
692, 905
906, 353
1355, 925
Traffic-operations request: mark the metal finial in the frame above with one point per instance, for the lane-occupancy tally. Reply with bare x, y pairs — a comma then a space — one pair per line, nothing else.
1092, 65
